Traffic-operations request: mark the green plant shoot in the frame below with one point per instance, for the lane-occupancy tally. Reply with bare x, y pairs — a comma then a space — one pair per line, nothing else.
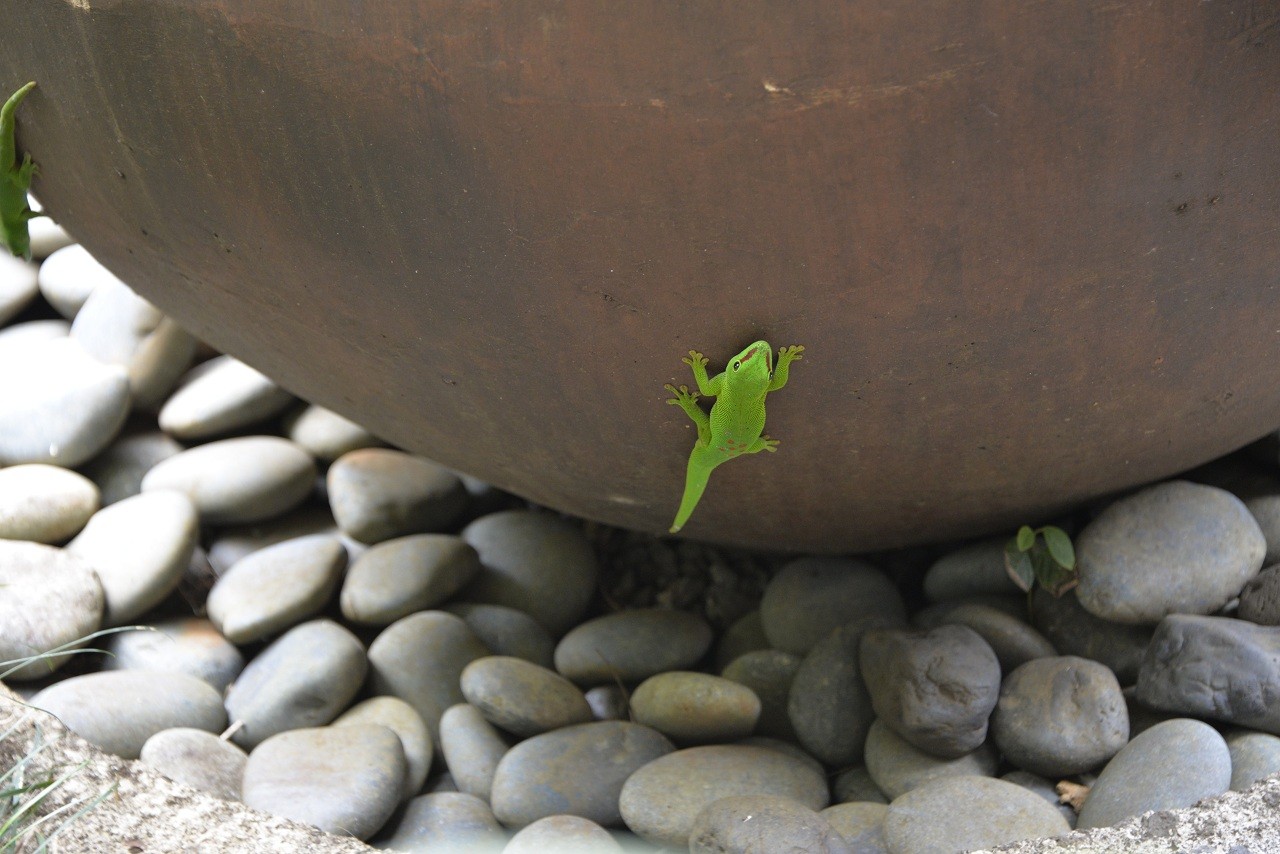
1044, 555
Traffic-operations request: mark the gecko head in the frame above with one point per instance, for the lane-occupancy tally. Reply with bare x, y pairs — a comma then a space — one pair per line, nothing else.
753, 366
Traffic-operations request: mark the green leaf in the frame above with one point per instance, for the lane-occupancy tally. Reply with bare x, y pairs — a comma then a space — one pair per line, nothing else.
1059, 546
1018, 565
1026, 538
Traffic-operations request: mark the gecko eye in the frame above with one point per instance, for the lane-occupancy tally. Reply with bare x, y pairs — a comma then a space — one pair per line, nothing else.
737, 365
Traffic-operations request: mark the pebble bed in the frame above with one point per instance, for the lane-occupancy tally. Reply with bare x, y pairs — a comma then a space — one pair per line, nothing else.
357, 638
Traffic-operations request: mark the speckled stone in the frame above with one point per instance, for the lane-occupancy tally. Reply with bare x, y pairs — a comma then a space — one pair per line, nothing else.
68, 276
855, 784
246, 479
276, 587
897, 767
829, 706
535, 562
811, 597
522, 697
118, 471
399, 717
445, 822
861, 823
139, 547
632, 645
17, 286
118, 710
926, 820
563, 834
1260, 598
661, 801
221, 396
1074, 631
1012, 639
695, 708
303, 679
975, 569
758, 824
325, 434
51, 598
1254, 755
508, 631
1176, 547
343, 780
472, 749
377, 494
44, 504
185, 645
769, 674
197, 759
1173, 764
577, 770
397, 577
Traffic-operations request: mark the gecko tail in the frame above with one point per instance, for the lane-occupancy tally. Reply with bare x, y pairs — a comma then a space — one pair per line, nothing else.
695, 481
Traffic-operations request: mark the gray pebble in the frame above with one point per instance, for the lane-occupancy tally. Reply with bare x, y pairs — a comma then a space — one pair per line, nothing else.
47, 237
812, 596
399, 717
397, 577
1266, 512
508, 631
21, 335
1215, 667
769, 674
118, 710
630, 646
607, 702
1060, 716
861, 823
445, 822
303, 679
521, 697
51, 599
139, 547
661, 800
343, 780
932, 616
44, 504
1173, 764
118, 471
926, 819
377, 494
563, 834
975, 569
1254, 755
325, 434
191, 646
855, 784
222, 395
936, 688
1141, 716
472, 749
63, 407
1176, 547
197, 759
788, 748
18, 286
420, 659
68, 276
535, 562
745, 634
232, 544
1260, 598
246, 479
829, 706
276, 587
1012, 640
763, 824
897, 767
1043, 787
695, 708
1074, 631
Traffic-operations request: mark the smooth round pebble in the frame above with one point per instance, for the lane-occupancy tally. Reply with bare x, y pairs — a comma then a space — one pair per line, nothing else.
19, 335
399, 717
607, 702
695, 708
536, 562
139, 547
661, 801
763, 824
1074, 631
445, 822
18, 285
47, 237
769, 673
578, 770
929, 819
397, 577
302, 679
1176, 547
118, 471
861, 823
68, 276
221, 396
1260, 598
50, 599
1254, 755
1012, 640
1045, 789
246, 479
377, 494
811, 597
633, 645
855, 784
975, 569
521, 697
276, 587
118, 710
63, 407
197, 759
43, 503
325, 434
829, 706
232, 544
508, 631
1173, 764
472, 749
897, 767
185, 645
344, 780
563, 834
745, 634
1265, 509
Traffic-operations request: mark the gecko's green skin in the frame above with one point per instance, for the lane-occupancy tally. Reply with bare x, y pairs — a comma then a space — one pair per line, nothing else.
15, 180
736, 424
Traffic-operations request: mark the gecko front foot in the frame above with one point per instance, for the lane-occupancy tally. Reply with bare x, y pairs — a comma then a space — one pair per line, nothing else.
764, 443
681, 396
791, 354
695, 360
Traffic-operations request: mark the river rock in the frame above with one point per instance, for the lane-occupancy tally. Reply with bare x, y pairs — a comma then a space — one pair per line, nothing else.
927, 819
325, 434
761, 824
472, 749
855, 784
745, 634
44, 504
769, 674
231, 544
535, 562
197, 759
185, 645
1265, 509
829, 706
51, 599
20, 335
1260, 598
118, 471
563, 834
1074, 631
1176, 547
1172, 765
399, 717
523, 698
607, 702
1044, 788
897, 767
18, 286
695, 708
936, 688
975, 569
303, 679
47, 237
445, 822
118, 710
508, 631
377, 494
1254, 755
811, 597
1012, 640
630, 646
397, 577
861, 823
68, 276
1060, 716
222, 395
343, 780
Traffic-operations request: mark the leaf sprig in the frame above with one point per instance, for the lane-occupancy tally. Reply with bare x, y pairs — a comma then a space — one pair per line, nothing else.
1044, 555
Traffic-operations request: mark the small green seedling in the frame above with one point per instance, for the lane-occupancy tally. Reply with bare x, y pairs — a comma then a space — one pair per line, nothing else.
1044, 555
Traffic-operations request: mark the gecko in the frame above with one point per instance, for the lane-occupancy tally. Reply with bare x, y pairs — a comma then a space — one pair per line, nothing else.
736, 423
15, 180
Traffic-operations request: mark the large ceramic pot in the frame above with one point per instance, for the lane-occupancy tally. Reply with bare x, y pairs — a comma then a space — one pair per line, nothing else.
1032, 249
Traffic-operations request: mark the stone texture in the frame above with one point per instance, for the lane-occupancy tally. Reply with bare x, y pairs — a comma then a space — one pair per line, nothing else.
377, 494
975, 569
49, 599
397, 577
745, 634
829, 706
926, 820
508, 631
897, 767
769, 674
18, 286
44, 504
185, 645
861, 824
855, 784
1254, 755
695, 708
443, 822
399, 717
68, 276
472, 749
1265, 509
757, 824
325, 434
563, 834
630, 646
523, 698
1074, 631
811, 597
198, 759
1260, 598
220, 396
1012, 640
118, 471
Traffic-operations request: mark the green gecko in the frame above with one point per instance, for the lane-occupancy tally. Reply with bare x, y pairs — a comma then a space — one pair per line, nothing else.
15, 180
736, 424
